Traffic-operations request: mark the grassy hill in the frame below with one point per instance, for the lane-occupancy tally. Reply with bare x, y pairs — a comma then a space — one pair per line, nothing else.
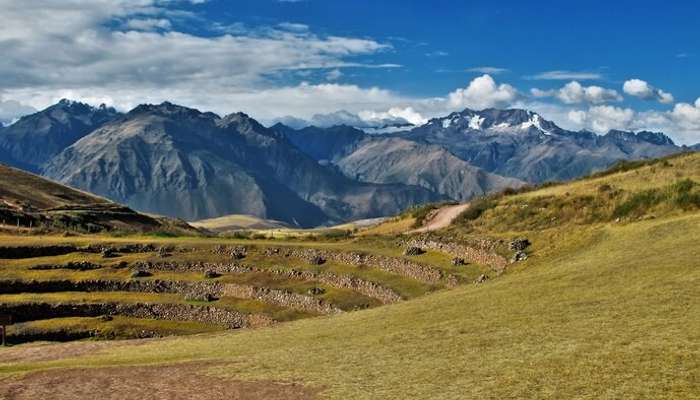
605, 307
237, 222
30, 201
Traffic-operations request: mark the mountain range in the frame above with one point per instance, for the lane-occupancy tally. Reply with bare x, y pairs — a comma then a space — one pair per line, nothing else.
181, 162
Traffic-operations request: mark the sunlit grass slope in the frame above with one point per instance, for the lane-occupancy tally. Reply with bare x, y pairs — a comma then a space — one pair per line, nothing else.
601, 310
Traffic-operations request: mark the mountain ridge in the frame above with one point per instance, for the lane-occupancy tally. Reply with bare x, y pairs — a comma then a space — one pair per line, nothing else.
179, 161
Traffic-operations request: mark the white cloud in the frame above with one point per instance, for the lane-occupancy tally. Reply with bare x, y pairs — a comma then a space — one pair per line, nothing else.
682, 123
11, 110
645, 91
73, 45
394, 115
575, 93
483, 92
561, 75
148, 24
488, 70
687, 116
602, 119
438, 53
334, 75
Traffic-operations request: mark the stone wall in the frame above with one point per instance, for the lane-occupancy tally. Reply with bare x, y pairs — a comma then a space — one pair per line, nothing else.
395, 265
23, 312
370, 289
281, 298
367, 288
479, 255
17, 252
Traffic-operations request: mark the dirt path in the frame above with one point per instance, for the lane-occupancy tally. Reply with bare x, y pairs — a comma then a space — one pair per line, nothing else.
442, 219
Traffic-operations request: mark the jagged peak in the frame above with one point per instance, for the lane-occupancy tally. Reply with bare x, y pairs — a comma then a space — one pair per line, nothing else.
656, 138
513, 119
170, 109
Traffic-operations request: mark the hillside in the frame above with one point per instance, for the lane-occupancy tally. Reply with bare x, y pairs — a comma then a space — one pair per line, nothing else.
27, 200
237, 222
604, 306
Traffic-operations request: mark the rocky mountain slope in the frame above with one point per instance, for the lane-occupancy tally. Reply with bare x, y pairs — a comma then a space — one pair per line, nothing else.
34, 139
181, 162
396, 160
391, 159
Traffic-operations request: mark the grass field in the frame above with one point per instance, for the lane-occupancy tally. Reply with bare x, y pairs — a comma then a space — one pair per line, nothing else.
601, 309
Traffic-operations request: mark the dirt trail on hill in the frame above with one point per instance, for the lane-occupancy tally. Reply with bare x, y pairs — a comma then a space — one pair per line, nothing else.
442, 218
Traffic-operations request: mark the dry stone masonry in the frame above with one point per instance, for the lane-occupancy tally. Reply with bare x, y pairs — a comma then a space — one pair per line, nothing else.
473, 254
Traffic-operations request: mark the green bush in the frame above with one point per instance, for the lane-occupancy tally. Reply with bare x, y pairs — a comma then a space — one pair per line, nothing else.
476, 208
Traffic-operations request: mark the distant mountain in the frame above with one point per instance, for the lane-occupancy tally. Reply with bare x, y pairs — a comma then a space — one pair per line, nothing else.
470, 153
397, 160
695, 146
521, 144
181, 162
34, 139
389, 159
322, 143
171, 160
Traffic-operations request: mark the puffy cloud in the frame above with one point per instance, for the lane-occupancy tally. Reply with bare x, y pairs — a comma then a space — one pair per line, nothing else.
602, 119
575, 93
687, 116
483, 92
682, 123
643, 90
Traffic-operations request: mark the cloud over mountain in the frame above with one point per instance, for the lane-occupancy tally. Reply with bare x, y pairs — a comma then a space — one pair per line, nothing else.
645, 91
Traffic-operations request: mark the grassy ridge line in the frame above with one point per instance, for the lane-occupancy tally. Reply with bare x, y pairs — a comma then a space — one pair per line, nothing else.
605, 312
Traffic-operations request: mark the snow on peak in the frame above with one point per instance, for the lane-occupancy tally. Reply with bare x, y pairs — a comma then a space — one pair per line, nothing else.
535, 121
475, 122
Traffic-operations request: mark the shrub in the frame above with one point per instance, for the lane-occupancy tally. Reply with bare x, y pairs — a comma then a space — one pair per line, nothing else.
638, 203
476, 208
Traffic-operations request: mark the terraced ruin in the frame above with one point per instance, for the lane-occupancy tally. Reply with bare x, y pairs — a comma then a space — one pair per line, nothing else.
115, 289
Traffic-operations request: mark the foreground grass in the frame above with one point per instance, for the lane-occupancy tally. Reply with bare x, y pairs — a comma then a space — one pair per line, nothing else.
604, 312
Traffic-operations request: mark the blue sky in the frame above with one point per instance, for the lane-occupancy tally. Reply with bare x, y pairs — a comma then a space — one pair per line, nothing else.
437, 41
593, 65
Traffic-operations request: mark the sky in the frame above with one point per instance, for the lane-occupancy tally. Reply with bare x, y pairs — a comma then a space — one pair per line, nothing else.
595, 65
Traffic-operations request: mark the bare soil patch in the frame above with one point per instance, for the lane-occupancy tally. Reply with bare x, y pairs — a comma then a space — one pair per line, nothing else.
442, 219
173, 382
52, 351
